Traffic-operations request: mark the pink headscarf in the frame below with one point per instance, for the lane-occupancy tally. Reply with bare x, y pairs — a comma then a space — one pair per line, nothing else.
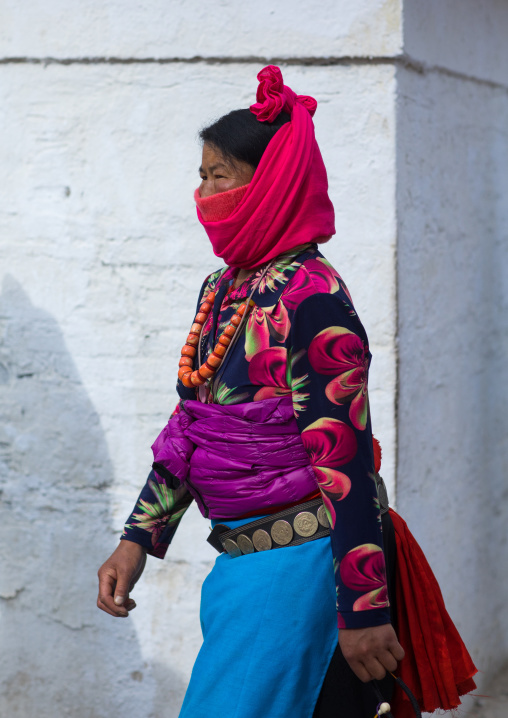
286, 203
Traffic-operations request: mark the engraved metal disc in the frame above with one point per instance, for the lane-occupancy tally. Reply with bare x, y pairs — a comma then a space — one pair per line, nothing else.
245, 543
305, 523
282, 532
261, 540
322, 517
232, 548
382, 493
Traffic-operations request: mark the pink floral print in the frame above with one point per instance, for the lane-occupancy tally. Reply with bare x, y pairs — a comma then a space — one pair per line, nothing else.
268, 368
363, 569
336, 350
330, 443
263, 325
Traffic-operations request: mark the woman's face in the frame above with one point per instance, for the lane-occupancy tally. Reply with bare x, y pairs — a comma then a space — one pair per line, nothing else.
220, 175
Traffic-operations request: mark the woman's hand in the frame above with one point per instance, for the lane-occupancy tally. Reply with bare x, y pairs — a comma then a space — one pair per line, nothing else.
117, 577
372, 651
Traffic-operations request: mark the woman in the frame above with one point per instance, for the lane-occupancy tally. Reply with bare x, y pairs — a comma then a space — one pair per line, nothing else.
272, 438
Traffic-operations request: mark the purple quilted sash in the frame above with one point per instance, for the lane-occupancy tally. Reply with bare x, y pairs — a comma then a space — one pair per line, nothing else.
236, 459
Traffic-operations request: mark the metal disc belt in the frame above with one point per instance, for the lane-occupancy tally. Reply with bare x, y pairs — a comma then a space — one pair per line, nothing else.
291, 527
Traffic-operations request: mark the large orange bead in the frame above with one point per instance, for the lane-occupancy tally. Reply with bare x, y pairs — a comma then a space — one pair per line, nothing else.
241, 309
196, 379
185, 361
224, 340
220, 350
214, 361
211, 297
206, 371
196, 328
184, 371
235, 320
193, 340
201, 317
188, 351
229, 331
187, 381
205, 307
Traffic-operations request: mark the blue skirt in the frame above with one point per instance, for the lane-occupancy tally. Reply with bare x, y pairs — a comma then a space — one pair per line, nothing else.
269, 627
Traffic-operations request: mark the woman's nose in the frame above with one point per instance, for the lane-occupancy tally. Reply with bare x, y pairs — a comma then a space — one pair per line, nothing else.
206, 188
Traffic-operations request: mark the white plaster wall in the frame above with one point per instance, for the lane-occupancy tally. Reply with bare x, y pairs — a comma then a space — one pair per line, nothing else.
452, 487
463, 36
190, 28
102, 258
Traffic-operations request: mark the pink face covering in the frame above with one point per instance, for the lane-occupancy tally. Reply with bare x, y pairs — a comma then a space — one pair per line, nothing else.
219, 206
286, 203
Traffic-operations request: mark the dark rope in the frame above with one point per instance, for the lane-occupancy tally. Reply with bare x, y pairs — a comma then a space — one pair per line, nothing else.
412, 699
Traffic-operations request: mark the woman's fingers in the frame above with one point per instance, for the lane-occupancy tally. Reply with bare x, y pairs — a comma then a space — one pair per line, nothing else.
106, 600
360, 671
375, 669
396, 650
372, 651
122, 588
117, 576
115, 613
387, 660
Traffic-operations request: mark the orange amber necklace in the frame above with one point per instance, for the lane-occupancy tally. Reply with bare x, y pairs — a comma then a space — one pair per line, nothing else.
191, 378
187, 376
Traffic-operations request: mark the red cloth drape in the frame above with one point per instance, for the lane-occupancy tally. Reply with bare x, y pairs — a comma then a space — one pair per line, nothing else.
437, 666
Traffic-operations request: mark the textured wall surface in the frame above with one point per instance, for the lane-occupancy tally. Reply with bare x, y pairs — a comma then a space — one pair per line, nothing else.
460, 36
452, 206
223, 29
101, 258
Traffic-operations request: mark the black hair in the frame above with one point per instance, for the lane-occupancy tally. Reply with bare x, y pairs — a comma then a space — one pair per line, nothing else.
240, 136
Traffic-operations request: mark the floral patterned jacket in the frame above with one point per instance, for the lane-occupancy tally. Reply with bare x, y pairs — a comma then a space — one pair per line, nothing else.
305, 339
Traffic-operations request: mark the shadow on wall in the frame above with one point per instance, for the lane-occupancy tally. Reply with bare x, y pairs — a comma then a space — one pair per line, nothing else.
60, 655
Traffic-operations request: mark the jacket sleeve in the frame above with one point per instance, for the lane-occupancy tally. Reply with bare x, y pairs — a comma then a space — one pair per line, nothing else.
156, 515
329, 359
